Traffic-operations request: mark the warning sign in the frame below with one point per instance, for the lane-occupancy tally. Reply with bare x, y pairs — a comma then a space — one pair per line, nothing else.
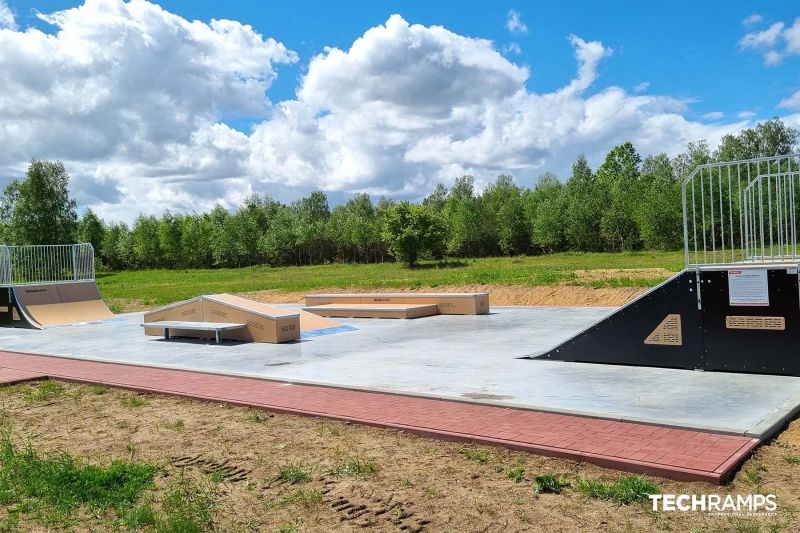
748, 287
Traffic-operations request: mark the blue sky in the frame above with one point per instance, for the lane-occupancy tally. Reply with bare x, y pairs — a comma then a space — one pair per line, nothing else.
151, 110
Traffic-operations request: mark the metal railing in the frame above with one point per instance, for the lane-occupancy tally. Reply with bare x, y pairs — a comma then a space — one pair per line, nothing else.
742, 212
41, 264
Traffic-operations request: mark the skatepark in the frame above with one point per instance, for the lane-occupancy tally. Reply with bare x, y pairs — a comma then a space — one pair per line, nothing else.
706, 352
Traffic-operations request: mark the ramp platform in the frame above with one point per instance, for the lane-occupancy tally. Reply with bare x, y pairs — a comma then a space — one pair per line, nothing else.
44, 286
446, 303
359, 310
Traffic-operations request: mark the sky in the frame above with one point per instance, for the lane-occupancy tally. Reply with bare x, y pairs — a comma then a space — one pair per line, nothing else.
181, 105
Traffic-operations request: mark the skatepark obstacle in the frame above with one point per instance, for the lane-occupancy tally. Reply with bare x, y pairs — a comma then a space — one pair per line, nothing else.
736, 305
49, 285
397, 305
359, 310
262, 323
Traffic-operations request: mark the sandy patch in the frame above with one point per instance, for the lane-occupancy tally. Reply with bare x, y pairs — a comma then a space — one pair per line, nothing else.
564, 295
606, 274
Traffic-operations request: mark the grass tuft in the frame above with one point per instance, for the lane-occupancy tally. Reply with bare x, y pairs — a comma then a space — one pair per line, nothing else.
305, 498
792, 459
43, 391
517, 475
294, 474
355, 467
473, 454
133, 401
258, 418
626, 490
549, 483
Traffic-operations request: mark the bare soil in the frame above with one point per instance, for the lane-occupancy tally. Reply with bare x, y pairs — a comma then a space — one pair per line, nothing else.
419, 484
560, 295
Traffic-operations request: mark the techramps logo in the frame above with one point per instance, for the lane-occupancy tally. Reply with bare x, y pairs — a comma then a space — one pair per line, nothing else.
717, 504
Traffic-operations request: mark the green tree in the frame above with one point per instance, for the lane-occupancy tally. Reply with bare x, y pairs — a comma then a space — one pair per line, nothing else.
660, 213
92, 230
169, 239
354, 225
583, 208
38, 209
464, 219
112, 252
545, 206
411, 230
504, 217
766, 139
279, 242
437, 199
618, 181
146, 246
197, 233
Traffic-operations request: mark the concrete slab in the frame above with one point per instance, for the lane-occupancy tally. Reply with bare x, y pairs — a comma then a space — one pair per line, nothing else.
468, 358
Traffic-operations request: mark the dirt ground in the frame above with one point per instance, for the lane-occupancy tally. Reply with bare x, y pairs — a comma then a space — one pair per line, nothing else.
563, 295
418, 484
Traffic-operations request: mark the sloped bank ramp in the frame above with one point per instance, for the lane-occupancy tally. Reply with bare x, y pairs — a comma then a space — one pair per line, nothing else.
735, 318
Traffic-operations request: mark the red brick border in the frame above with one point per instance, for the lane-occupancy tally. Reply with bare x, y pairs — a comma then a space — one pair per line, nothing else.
673, 453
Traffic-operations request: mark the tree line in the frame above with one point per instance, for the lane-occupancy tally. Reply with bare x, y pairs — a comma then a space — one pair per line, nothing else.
627, 203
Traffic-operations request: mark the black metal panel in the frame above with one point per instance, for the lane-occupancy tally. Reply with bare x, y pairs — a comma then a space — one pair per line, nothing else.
619, 338
6, 307
759, 351
10, 316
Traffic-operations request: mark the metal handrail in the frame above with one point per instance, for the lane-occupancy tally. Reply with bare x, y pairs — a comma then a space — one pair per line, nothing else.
44, 264
722, 223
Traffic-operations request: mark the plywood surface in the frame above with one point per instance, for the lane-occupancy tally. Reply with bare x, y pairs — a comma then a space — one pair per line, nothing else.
359, 310
447, 303
60, 304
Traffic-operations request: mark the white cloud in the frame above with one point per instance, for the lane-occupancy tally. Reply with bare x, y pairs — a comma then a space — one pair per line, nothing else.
775, 43
512, 48
131, 95
6, 17
713, 115
133, 99
514, 22
641, 87
431, 105
746, 115
752, 20
792, 102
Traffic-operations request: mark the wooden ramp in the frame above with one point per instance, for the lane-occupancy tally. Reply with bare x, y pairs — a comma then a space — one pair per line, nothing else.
55, 304
264, 322
446, 303
359, 310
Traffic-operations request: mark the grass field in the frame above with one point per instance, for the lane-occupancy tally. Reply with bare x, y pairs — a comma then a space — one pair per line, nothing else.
156, 287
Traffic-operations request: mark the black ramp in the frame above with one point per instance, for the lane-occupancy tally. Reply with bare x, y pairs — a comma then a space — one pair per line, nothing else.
757, 339
643, 332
